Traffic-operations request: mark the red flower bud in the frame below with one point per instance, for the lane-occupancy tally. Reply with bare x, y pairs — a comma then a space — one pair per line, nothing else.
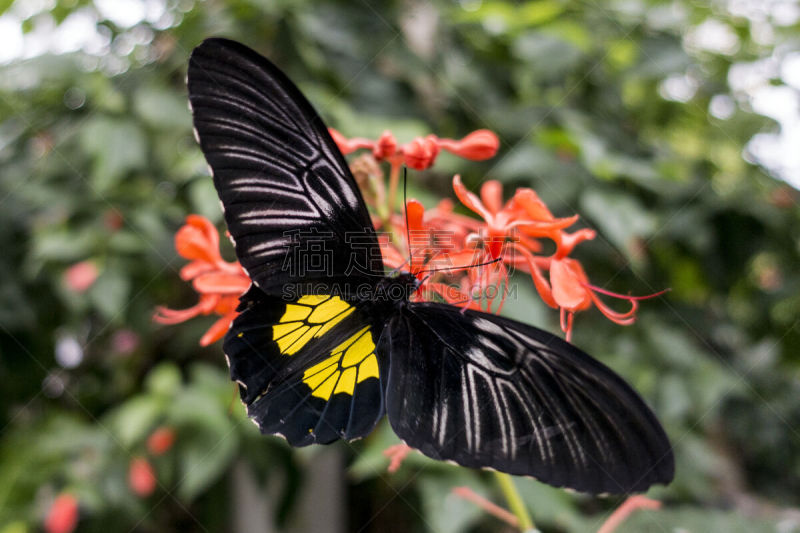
63, 515
341, 141
80, 276
141, 478
161, 440
420, 153
385, 147
477, 146
349, 145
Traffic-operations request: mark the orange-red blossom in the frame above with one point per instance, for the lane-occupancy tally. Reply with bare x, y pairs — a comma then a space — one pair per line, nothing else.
62, 517
512, 232
421, 152
218, 282
459, 259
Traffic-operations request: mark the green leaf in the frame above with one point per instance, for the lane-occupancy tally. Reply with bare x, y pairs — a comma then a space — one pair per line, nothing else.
117, 145
63, 245
162, 108
209, 440
164, 380
4, 5
620, 218
204, 199
445, 511
204, 457
15, 527
110, 293
371, 462
547, 505
132, 421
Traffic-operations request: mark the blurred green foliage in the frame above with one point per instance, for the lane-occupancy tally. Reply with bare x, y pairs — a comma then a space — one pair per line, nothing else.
99, 164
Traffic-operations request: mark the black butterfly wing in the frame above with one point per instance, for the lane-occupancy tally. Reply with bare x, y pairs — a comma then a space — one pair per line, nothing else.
291, 204
307, 370
485, 391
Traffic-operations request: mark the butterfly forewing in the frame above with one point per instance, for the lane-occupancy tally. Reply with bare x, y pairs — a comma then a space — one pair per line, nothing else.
291, 204
485, 391
307, 369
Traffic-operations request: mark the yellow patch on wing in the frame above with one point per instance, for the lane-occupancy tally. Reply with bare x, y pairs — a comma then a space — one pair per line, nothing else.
350, 363
309, 317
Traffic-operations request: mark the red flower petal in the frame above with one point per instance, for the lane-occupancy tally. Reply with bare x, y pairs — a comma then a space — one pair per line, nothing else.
568, 291
205, 306
62, 517
492, 195
341, 141
346, 145
385, 147
218, 329
535, 208
420, 153
80, 276
160, 440
539, 281
470, 200
198, 240
141, 477
477, 146
219, 283
416, 212
194, 269
570, 240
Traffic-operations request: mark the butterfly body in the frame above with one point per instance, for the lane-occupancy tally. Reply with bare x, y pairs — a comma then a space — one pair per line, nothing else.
326, 343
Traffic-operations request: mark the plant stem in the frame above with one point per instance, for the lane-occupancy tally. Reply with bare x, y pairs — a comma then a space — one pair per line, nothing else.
394, 180
515, 502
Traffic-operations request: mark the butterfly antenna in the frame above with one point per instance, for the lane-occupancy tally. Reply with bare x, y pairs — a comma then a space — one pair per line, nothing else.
493, 261
405, 210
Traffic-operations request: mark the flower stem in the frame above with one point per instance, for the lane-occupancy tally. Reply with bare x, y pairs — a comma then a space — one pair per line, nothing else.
515, 502
394, 180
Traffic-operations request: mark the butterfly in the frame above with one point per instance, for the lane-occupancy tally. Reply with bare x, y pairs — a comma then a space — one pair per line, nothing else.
322, 354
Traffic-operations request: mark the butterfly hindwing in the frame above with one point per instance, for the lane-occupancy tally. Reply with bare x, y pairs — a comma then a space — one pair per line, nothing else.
291, 204
308, 369
485, 391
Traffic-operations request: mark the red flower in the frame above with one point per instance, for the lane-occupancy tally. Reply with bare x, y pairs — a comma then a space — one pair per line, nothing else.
477, 146
458, 259
421, 152
569, 291
512, 232
160, 440
440, 248
62, 517
80, 276
141, 478
524, 212
219, 282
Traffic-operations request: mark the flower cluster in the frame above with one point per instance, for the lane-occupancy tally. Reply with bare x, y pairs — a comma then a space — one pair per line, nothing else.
218, 282
421, 152
458, 259
467, 261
